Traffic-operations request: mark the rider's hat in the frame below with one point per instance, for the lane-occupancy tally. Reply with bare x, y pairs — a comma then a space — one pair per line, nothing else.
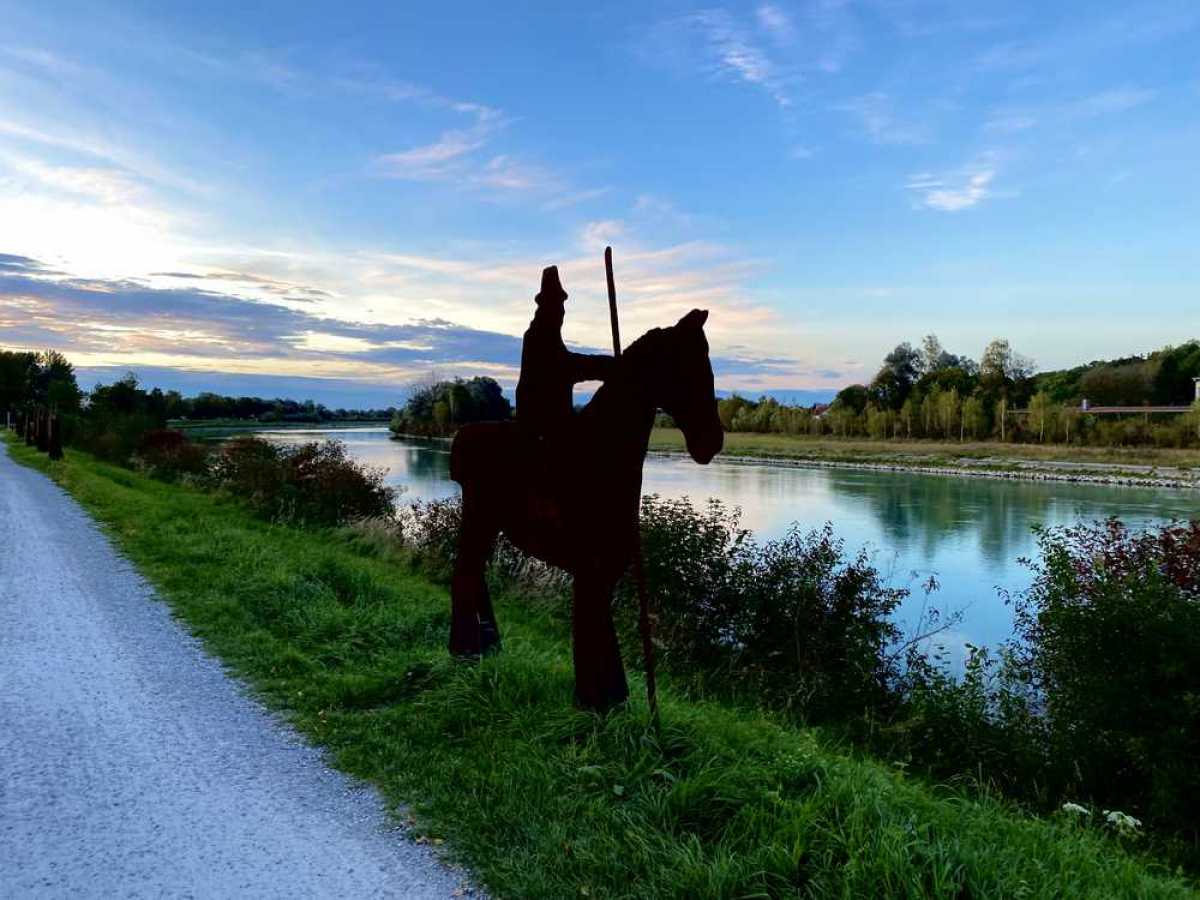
552, 289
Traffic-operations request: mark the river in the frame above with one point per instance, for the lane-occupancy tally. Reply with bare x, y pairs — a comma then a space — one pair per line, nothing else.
968, 533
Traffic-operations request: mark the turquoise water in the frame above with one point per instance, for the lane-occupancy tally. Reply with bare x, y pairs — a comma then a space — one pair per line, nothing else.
968, 533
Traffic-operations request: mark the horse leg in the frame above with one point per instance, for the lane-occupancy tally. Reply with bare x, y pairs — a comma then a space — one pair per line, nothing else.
599, 673
473, 629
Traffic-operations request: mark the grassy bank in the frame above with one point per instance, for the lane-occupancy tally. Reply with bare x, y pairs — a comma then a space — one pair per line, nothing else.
539, 799
969, 455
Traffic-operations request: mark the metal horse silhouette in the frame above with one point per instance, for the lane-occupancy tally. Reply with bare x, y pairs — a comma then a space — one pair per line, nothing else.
566, 487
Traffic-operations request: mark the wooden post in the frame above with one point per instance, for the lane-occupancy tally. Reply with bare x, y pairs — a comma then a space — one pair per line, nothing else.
612, 301
645, 622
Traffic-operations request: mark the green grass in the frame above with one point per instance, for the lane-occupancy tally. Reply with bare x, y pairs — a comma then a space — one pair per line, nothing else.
541, 800
987, 454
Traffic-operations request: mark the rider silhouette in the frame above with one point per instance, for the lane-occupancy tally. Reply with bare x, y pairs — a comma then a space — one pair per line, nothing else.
549, 371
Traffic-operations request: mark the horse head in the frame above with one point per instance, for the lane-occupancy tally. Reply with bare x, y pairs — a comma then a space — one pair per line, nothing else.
680, 382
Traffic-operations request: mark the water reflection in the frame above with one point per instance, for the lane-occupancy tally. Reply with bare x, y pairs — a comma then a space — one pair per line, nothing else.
966, 532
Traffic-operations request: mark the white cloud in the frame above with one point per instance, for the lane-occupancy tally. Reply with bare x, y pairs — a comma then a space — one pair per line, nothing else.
735, 55
107, 185
458, 156
598, 235
954, 191
430, 162
508, 174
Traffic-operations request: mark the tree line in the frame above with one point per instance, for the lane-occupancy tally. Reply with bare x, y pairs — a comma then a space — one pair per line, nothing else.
926, 392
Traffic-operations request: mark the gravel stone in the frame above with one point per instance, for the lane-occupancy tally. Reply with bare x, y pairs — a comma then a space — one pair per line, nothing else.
132, 765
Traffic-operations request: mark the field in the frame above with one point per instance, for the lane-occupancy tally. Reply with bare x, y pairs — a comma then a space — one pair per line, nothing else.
490, 761
968, 455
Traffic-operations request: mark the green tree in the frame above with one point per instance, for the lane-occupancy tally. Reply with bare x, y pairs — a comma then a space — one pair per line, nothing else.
441, 414
1068, 415
974, 417
910, 412
930, 412
948, 408
896, 378
853, 398
1040, 414
1002, 418
879, 422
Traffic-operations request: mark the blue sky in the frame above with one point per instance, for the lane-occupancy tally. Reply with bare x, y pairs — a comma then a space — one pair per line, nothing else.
367, 192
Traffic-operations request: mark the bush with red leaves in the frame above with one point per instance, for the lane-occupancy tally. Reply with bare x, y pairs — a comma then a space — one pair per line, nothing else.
313, 483
1111, 643
168, 454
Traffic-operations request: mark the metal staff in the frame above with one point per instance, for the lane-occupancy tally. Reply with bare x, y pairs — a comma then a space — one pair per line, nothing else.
645, 622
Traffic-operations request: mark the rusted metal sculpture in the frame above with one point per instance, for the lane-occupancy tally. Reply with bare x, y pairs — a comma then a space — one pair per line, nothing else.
566, 488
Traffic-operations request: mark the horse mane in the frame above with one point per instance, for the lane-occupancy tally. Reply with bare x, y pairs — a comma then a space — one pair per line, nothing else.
647, 346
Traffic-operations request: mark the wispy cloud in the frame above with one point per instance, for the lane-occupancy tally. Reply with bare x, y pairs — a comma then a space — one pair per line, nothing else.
107, 185
954, 191
735, 54
431, 162
566, 199
464, 158
878, 118
1111, 102
1009, 122
776, 23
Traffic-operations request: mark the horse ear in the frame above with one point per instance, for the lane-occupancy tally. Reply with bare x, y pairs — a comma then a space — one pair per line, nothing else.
695, 319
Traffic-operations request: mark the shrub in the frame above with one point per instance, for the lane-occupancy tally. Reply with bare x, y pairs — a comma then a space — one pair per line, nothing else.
1098, 698
794, 623
314, 483
168, 454
1111, 642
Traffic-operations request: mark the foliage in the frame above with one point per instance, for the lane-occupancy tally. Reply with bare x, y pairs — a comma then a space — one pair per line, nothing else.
440, 408
45, 379
117, 417
315, 483
936, 395
794, 623
168, 454
1160, 378
544, 801
1096, 699
1111, 640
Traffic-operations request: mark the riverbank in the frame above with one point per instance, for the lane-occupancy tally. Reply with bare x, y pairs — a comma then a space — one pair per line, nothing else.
541, 800
1151, 467
211, 429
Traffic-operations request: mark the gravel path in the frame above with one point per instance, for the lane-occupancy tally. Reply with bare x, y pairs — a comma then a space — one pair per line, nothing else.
132, 766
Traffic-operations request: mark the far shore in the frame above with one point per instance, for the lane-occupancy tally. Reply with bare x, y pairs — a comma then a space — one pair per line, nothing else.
1148, 467
1139, 467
